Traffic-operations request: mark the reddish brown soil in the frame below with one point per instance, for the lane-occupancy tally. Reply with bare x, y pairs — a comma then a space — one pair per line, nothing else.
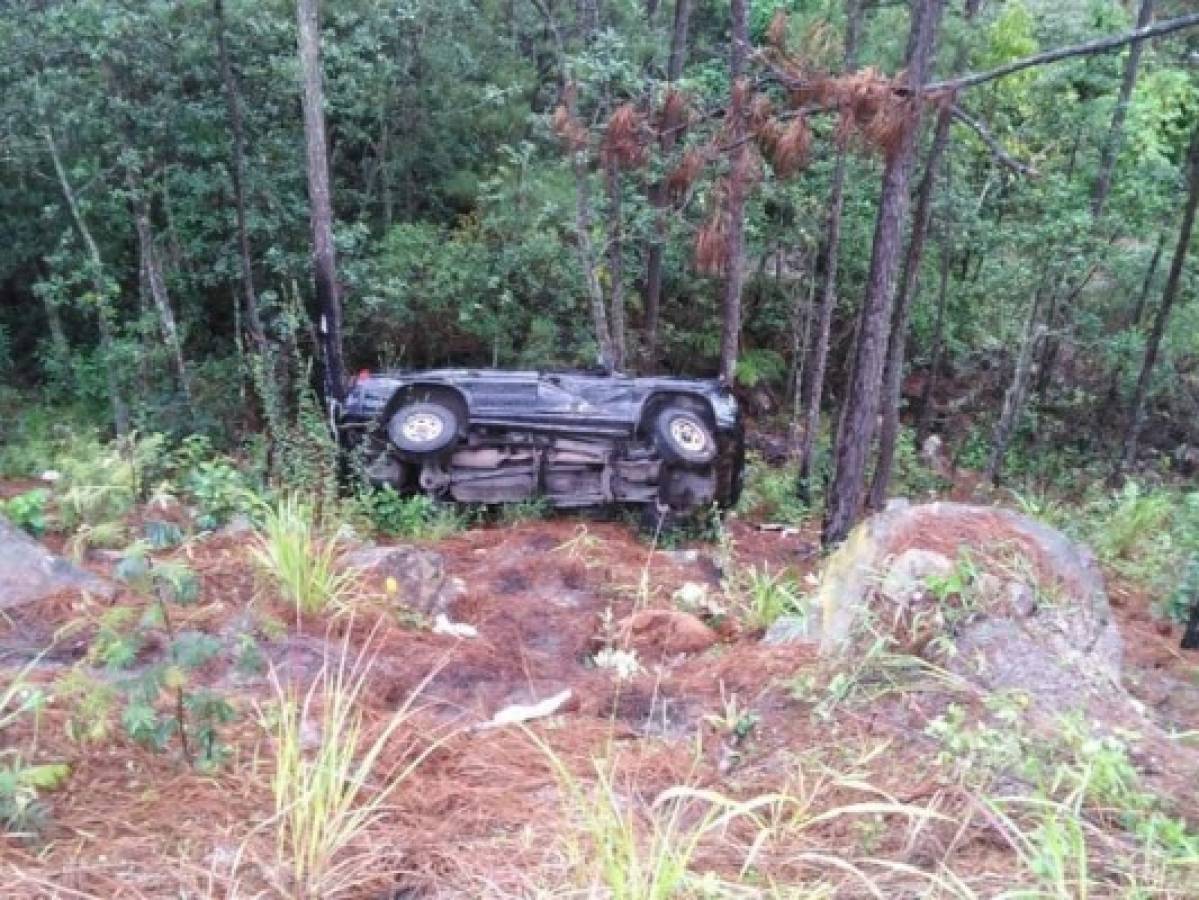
486, 814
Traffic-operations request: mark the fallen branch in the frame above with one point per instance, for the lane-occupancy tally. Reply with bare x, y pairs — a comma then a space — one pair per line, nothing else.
1001, 155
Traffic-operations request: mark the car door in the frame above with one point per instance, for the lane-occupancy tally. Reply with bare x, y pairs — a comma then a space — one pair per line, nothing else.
588, 402
497, 396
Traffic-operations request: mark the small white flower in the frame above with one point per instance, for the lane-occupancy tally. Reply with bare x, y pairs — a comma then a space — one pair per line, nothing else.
623, 663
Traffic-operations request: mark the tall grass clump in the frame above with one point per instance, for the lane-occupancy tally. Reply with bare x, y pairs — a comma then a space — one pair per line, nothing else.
766, 596
1130, 521
328, 797
624, 847
621, 849
297, 559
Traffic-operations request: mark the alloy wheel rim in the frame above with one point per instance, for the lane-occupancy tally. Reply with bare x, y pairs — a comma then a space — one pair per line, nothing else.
688, 435
422, 427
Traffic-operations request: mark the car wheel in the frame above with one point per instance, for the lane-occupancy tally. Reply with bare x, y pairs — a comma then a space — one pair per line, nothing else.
682, 436
423, 429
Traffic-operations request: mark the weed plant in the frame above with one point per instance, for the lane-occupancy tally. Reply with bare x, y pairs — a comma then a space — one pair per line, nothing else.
295, 558
525, 511
1151, 537
618, 844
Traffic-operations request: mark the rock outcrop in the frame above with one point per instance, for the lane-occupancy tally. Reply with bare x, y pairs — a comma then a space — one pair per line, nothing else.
418, 576
29, 572
1000, 599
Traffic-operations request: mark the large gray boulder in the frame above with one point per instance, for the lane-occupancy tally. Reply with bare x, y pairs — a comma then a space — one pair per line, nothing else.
418, 576
29, 572
1002, 600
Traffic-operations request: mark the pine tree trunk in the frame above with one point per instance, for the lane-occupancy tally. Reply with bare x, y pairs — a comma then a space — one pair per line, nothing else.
657, 195
143, 319
730, 331
156, 284
120, 412
909, 287
1013, 400
1136, 415
813, 390
237, 148
588, 262
1115, 132
1190, 637
615, 262
59, 345
1135, 315
855, 432
1138, 310
934, 366
324, 258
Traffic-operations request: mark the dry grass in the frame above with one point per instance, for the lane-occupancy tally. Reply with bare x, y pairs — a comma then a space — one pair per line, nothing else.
329, 784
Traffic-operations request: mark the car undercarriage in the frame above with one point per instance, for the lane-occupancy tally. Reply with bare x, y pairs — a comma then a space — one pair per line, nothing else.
576, 441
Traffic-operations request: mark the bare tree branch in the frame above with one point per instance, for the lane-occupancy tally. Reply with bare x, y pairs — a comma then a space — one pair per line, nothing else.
1099, 45
996, 148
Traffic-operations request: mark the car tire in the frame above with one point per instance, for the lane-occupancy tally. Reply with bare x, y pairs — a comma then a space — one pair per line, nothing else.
683, 437
423, 429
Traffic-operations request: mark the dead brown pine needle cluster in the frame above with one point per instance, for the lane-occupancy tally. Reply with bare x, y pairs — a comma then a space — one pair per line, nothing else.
873, 113
624, 141
566, 124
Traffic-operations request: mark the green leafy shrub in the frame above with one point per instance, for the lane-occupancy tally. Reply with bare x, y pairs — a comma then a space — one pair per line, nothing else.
761, 366
525, 511
1179, 603
29, 437
417, 516
220, 492
975, 448
160, 535
99, 484
218, 488
1150, 536
912, 477
27, 510
771, 493
1131, 520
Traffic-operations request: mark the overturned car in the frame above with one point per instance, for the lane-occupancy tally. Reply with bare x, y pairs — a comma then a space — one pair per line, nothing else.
578, 440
